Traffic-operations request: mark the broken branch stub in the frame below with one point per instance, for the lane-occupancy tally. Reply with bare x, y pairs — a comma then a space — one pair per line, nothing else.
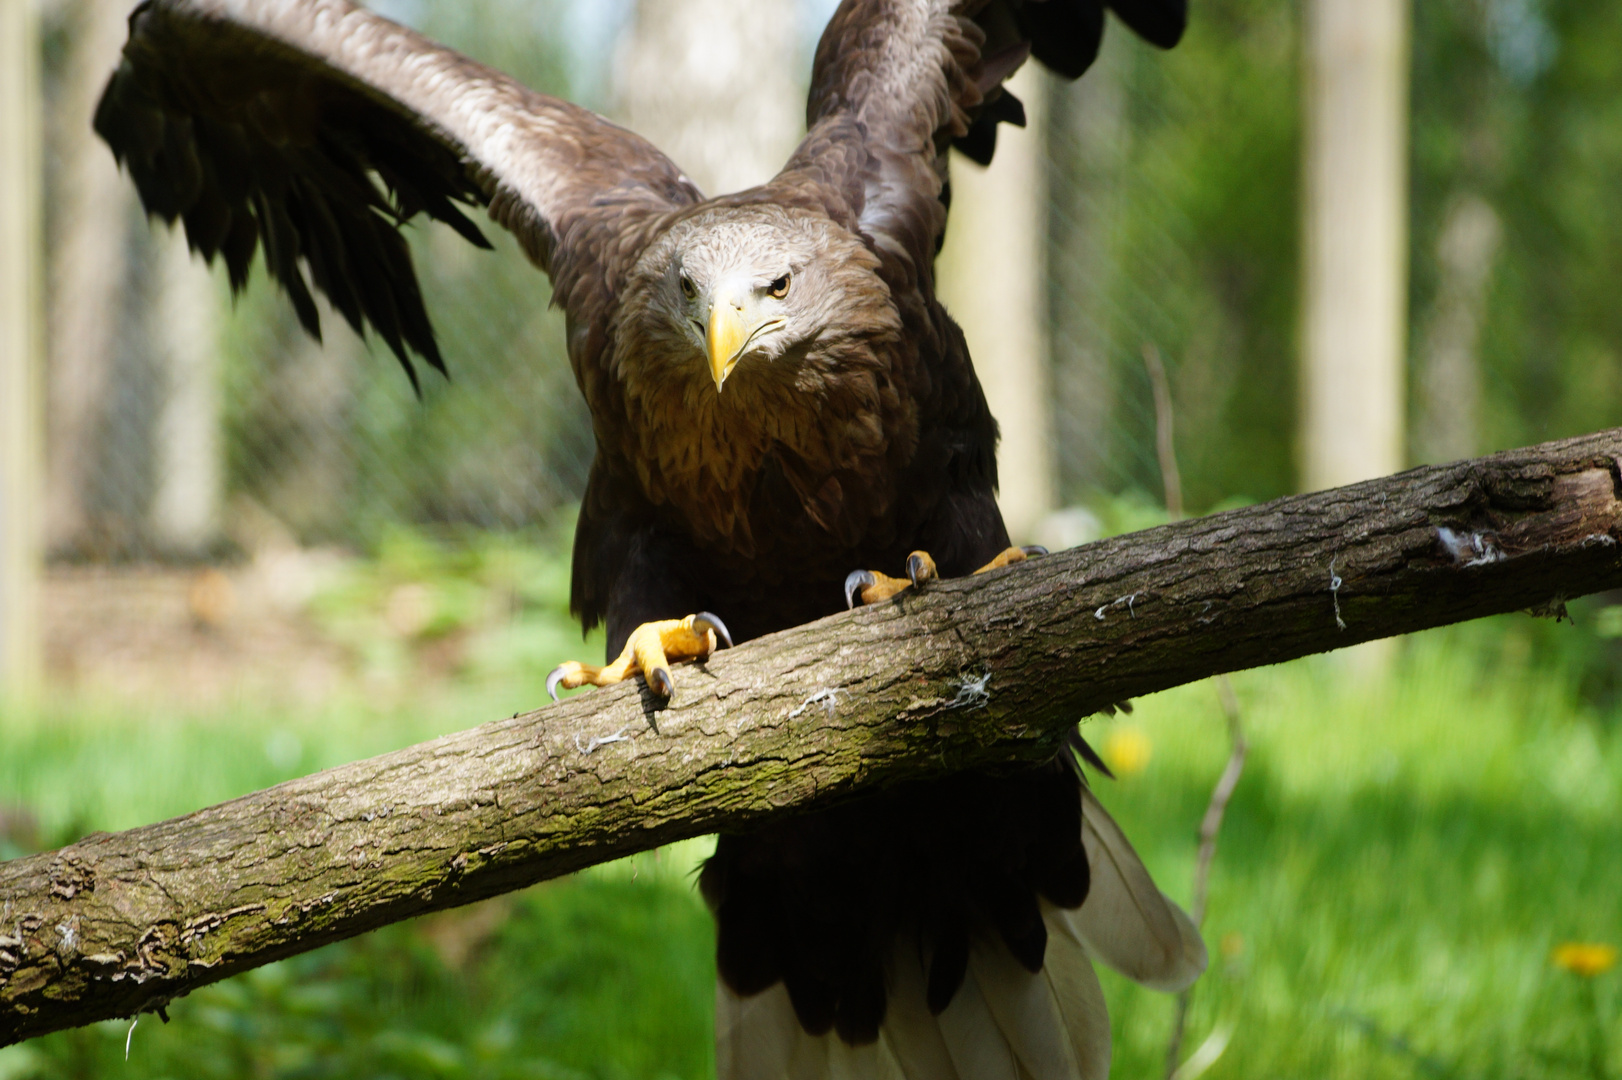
994, 668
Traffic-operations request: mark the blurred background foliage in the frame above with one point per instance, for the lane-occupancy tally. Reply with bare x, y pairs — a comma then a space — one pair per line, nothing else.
1174, 221
1402, 854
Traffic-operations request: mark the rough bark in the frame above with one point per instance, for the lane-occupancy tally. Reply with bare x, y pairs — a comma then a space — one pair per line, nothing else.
995, 668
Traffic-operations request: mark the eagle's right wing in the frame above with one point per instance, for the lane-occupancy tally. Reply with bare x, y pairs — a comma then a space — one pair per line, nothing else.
314, 129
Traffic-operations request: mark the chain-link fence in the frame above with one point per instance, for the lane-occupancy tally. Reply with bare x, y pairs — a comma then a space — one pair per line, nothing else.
1173, 225
190, 418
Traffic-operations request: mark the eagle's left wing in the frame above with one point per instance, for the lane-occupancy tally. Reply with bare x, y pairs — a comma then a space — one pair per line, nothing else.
896, 83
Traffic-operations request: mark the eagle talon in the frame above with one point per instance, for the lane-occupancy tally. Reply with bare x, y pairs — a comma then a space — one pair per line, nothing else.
857, 579
648, 651
921, 568
705, 620
873, 586
1013, 555
554, 677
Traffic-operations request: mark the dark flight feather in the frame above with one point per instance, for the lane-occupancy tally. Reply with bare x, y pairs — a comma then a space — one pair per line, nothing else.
218, 105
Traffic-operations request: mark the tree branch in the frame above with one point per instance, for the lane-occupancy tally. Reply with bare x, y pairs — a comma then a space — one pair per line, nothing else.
990, 669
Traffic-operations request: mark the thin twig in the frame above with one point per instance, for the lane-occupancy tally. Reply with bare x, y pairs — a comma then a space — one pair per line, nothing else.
1211, 824
1165, 449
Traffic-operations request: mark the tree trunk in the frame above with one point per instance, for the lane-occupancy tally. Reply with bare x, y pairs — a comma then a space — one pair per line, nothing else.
185, 515
993, 280
725, 137
992, 668
1088, 139
1450, 365
88, 253
1356, 256
21, 294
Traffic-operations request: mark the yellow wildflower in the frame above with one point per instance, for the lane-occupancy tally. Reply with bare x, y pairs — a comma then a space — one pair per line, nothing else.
1585, 958
1127, 751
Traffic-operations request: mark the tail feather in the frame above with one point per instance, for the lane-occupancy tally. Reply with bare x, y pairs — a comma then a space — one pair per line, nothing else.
969, 1028
910, 1030
875, 1061
1003, 1023
1069, 971
1127, 921
760, 1037
1052, 1038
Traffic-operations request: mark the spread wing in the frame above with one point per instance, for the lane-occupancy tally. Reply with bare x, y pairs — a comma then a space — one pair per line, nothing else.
315, 129
898, 82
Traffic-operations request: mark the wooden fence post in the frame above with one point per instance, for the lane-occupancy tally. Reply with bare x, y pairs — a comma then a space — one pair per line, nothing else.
21, 338
1356, 235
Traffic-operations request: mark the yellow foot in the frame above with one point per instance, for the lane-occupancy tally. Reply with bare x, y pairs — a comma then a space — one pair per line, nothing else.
873, 586
649, 650
1013, 555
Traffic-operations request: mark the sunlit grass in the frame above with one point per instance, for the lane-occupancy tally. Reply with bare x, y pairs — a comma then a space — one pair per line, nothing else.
1398, 863
1401, 860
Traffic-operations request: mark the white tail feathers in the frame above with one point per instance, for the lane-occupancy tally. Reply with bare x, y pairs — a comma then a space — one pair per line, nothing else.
1004, 1023
1127, 922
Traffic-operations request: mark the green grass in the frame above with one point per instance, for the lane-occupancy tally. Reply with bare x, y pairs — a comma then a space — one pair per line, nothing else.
1398, 862
1397, 865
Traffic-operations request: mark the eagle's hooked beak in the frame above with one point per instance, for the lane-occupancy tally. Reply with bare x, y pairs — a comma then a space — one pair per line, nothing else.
729, 332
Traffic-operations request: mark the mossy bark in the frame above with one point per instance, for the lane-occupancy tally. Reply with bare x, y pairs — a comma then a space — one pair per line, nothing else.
993, 668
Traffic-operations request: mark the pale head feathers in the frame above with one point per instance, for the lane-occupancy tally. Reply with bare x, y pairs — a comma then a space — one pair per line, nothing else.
815, 325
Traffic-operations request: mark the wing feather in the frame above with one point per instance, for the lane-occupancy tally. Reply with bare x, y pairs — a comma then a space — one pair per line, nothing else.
314, 129
896, 83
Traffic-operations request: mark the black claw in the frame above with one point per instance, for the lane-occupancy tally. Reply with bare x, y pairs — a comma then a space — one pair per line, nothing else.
917, 570
857, 579
705, 619
1034, 549
660, 683
552, 681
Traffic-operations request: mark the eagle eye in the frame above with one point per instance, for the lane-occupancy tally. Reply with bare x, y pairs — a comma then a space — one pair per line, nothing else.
688, 289
778, 289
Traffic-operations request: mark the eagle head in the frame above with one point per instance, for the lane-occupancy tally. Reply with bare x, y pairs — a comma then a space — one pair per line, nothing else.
756, 289
748, 332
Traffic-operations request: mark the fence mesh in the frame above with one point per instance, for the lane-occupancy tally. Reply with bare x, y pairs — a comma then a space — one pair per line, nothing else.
1173, 225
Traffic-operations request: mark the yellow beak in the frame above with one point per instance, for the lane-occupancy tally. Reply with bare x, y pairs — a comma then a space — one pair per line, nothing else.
727, 335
